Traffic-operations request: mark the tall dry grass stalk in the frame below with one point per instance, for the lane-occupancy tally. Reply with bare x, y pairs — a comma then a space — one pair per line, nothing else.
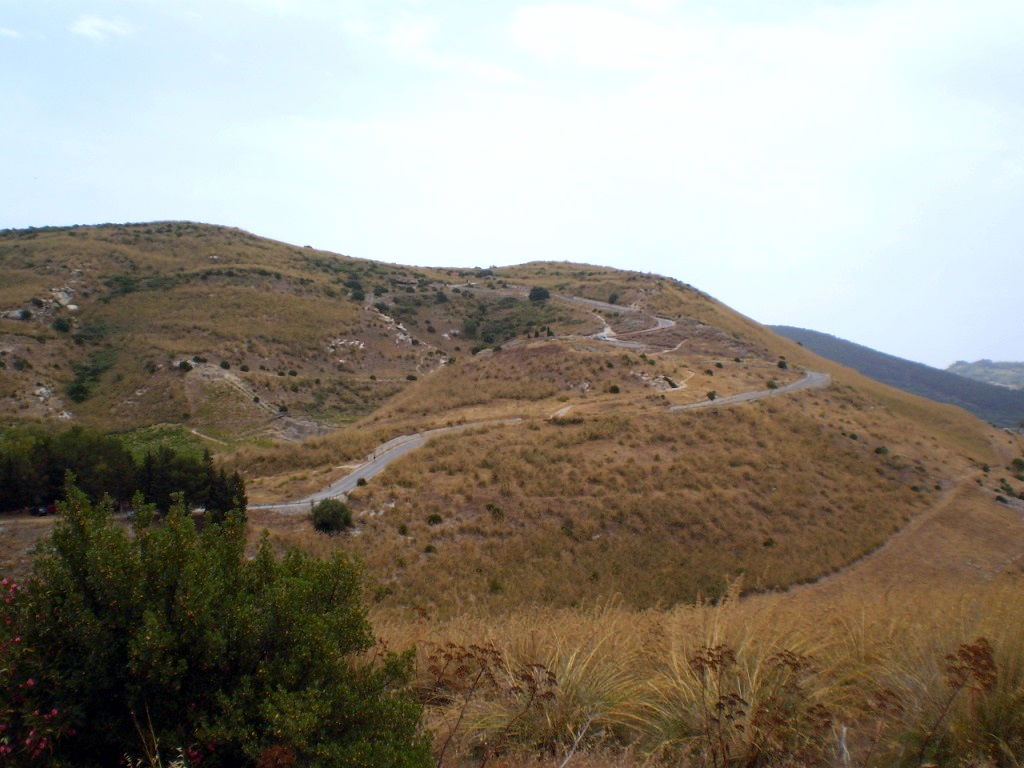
859, 680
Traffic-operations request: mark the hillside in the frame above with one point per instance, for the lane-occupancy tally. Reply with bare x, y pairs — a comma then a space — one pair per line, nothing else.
233, 335
1005, 374
582, 469
618, 481
985, 400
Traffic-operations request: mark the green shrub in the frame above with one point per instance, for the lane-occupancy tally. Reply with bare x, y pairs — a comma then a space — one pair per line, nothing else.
176, 630
772, 384
614, 389
537, 293
61, 324
331, 516
712, 395
88, 374
434, 519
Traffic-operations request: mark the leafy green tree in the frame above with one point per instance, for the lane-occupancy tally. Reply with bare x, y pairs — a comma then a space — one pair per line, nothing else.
538, 293
331, 516
170, 636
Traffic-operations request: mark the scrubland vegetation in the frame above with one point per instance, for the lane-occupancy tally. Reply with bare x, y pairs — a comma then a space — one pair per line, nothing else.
658, 506
171, 642
131, 325
864, 679
580, 576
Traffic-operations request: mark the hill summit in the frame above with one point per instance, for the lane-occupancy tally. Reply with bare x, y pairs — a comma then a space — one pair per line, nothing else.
1004, 374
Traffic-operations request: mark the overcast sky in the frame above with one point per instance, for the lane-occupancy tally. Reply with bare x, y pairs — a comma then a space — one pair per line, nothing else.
853, 167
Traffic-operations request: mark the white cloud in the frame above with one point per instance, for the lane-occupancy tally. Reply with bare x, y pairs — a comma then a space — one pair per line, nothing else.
591, 36
98, 28
417, 39
410, 34
7, 32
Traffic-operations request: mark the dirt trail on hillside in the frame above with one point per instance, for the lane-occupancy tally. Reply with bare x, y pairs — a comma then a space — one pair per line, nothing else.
967, 537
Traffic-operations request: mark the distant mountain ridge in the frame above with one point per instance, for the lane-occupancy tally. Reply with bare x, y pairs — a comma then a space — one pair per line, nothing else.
997, 404
1002, 374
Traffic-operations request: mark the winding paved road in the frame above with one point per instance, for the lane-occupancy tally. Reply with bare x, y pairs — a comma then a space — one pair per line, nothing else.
385, 453
397, 447
811, 380
376, 463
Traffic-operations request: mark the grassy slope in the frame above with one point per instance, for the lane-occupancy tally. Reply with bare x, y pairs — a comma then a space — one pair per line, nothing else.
651, 505
150, 295
622, 497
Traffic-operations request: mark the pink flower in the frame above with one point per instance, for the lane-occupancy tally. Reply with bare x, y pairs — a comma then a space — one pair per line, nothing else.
30, 682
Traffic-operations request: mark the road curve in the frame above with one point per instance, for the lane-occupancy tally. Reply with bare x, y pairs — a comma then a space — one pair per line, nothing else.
377, 462
811, 380
385, 453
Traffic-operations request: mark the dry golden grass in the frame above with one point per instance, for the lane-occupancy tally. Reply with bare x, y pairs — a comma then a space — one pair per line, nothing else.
536, 378
627, 679
635, 500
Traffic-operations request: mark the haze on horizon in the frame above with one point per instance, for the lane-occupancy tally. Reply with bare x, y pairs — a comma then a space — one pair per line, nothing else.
852, 168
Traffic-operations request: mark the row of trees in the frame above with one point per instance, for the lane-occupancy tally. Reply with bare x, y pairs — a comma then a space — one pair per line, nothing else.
33, 465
